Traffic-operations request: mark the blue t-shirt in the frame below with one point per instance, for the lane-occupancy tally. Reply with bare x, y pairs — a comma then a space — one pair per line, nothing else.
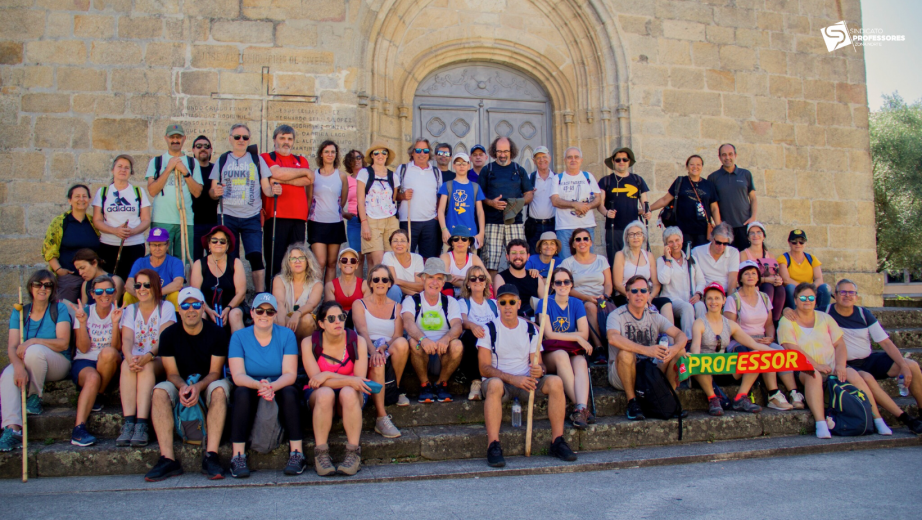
472, 175
461, 209
562, 320
43, 328
534, 262
169, 270
263, 362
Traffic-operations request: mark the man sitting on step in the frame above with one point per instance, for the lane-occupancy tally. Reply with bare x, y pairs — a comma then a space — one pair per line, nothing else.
504, 353
860, 327
198, 347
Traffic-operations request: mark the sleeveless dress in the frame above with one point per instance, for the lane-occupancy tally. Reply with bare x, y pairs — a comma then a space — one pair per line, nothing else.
224, 284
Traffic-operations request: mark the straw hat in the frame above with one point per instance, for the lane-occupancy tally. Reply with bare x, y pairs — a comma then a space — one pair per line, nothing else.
380, 145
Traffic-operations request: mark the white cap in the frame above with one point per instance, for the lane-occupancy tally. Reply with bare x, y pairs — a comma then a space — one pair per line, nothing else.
190, 292
541, 149
460, 155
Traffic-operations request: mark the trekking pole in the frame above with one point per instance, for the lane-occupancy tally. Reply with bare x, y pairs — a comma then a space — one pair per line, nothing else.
121, 245
591, 391
534, 361
25, 426
275, 210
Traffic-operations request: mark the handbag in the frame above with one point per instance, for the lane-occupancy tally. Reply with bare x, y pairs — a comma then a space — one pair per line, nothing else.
668, 215
706, 212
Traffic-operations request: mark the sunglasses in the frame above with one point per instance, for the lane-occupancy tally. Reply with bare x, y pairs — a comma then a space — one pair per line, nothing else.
297, 259
583, 239
379, 152
46, 285
421, 150
333, 318
195, 305
621, 159
109, 290
720, 344
563, 283
460, 239
477, 279
138, 285
222, 241
641, 291
239, 137
268, 312
380, 279
347, 261
719, 243
806, 298
443, 154
798, 242
202, 147
504, 303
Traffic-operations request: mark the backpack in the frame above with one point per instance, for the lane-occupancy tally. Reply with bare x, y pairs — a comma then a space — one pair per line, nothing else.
52, 309
848, 408
787, 258
137, 198
254, 156
267, 432
655, 395
372, 178
418, 300
158, 163
402, 172
351, 342
190, 420
300, 159
492, 304
492, 328
739, 301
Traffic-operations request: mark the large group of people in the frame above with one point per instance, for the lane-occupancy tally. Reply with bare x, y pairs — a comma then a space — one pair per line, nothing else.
458, 251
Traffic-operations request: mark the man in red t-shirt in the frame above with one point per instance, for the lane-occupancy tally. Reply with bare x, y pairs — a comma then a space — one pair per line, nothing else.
293, 173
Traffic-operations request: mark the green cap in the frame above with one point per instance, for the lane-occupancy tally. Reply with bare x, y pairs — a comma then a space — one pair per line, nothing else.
175, 130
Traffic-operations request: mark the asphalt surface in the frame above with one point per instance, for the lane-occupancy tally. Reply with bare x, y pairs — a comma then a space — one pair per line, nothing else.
881, 483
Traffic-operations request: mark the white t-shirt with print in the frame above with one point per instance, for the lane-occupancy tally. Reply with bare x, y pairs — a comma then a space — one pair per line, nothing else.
379, 203
481, 314
147, 334
432, 320
513, 349
575, 188
100, 331
242, 188
120, 207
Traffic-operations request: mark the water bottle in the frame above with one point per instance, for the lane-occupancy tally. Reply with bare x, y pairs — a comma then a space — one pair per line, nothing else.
516, 414
664, 342
901, 383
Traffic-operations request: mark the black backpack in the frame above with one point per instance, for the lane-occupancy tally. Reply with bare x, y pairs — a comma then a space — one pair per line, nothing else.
158, 163
254, 156
418, 300
655, 395
492, 328
849, 408
372, 179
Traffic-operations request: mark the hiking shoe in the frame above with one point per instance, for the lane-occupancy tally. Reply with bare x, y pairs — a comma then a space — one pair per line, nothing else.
913, 423
238, 466
97, 405
384, 426
140, 437
797, 400
427, 393
402, 400
124, 438
590, 417
352, 463
442, 391
10, 440
296, 463
778, 402
561, 450
495, 457
475, 394
164, 469
634, 412
745, 404
579, 418
34, 405
714, 407
211, 466
81, 437
323, 464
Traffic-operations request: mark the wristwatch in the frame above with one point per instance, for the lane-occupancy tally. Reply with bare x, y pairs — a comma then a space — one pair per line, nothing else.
187, 175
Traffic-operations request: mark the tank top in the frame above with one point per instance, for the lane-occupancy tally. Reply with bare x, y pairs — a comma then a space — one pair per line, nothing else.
223, 284
526, 285
454, 270
634, 270
378, 327
344, 367
341, 298
709, 337
290, 294
328, 190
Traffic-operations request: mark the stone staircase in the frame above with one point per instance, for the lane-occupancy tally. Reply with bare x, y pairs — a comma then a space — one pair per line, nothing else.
433, 432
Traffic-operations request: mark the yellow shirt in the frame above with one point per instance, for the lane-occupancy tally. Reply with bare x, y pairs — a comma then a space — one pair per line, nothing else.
816, 342
802, 272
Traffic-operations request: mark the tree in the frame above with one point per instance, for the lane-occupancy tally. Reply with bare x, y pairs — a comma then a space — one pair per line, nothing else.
896, 151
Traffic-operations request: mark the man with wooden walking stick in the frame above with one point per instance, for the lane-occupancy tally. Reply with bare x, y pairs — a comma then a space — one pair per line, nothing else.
504, 355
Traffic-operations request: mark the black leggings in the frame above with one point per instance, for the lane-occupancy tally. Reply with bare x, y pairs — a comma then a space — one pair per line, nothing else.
245, 401
109, 254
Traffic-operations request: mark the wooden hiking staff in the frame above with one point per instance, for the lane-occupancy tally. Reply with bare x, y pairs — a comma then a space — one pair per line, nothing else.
185, 255
534, 358
25, 426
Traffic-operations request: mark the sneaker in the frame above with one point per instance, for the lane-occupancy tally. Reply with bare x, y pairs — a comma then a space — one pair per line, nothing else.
10, 440
778, 402
634, 412
475, 394
427, 393
97, 405
797, 400
296, 463
140, 437
402, 400
164, 469
352, 463
579, 418
238, 466
323, 464
384, 426
81, 437
561, 450
211, 466
714, 407
124, 438
34, 405
442, 391
590, 417
913, 423
745, 404
495, 457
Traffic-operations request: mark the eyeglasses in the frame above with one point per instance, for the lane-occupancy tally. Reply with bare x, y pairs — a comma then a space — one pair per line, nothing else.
848, 293
443, 154
503, 152
332, 318
798, 242
46, 285
379, 152
477, 279
346, 261
108, 290
138, 285
399, 241
504, 303
583, 239
216, 241
635, 235
563, 283
460, 239
268, 312
806, 298
421, 150
380, 279
755, 233
641, 291
722, 244
621, 159
186, 305
202, 146
297, 259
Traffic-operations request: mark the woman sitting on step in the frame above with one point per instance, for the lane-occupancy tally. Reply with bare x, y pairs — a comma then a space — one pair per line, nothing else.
89, 266
477, 309
348, 286
221, 279
298, 289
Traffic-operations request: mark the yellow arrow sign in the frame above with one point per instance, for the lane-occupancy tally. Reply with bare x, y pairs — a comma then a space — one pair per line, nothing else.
631, 191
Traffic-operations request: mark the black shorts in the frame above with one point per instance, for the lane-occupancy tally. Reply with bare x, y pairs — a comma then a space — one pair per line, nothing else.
878, 364
330, 233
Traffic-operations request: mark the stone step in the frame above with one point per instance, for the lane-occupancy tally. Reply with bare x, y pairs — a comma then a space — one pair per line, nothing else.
892, 317
905, 337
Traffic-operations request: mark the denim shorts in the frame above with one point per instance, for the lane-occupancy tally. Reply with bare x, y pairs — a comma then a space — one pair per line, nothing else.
248, 231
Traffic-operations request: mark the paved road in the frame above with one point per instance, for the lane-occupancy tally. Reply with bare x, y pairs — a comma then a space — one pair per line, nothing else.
863, 484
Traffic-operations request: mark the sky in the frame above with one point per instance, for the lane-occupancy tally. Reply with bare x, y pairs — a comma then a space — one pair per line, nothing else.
894, 66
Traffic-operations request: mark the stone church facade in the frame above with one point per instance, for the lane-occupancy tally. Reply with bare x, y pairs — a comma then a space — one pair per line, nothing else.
85, 80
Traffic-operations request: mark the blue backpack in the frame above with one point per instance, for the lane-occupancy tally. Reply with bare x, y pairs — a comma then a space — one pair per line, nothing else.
190, 421
849, 409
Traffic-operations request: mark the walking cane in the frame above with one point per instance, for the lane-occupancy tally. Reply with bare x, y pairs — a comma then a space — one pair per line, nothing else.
121, 245
275, 210
409, 229
534, 359
181, 210
25, 426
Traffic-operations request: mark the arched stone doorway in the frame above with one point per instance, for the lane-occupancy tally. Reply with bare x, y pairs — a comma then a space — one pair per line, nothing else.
474, 103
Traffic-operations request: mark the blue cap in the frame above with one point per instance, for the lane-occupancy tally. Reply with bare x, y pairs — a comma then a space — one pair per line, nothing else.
478, 147
265, 297
461, 231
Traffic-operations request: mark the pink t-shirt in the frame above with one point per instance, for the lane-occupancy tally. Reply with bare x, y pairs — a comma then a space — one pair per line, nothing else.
750, 319
352, 201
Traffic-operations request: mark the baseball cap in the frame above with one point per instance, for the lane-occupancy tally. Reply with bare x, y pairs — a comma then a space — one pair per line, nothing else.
797, 233
262, 298
508, 289
190, 292
349, 250
460, 155
175, 130
541, 149
714, 286
757, 224
435, 266
478, 147
158, 235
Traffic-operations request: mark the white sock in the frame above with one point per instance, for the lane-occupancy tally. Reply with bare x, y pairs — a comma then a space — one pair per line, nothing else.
822, 430
882, 427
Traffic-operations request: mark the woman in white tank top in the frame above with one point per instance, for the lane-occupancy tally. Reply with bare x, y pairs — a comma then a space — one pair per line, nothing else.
329, 192
635, 260
459, 258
